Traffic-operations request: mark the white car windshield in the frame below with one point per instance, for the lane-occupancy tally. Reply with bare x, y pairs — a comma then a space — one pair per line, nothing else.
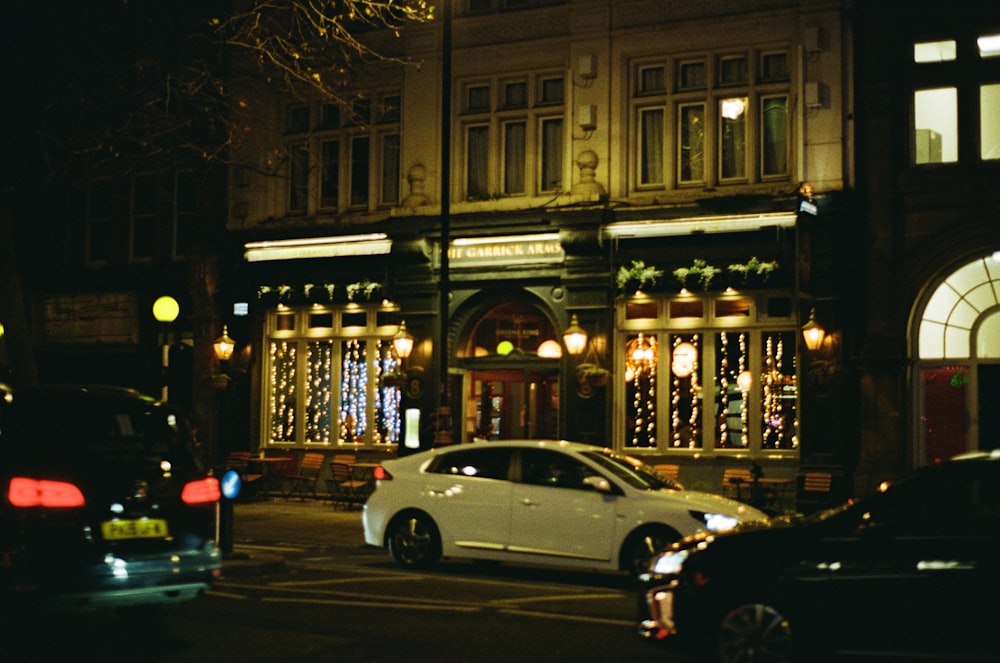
632, 471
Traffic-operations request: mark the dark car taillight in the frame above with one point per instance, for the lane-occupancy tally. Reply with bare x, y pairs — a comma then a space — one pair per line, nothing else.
203, 491
25, 492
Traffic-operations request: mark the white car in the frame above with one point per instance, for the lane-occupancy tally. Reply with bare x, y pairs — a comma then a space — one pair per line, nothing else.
548, 503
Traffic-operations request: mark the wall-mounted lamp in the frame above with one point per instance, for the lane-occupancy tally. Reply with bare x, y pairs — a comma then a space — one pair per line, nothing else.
575, 338
813, 333
224, 346
402, 341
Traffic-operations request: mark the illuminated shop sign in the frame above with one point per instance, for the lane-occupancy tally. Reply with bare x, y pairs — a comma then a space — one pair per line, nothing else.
513, 249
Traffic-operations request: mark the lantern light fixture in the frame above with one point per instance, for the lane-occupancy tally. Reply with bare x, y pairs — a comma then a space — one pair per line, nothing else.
813, 332
575, 337
224, 345
402, 341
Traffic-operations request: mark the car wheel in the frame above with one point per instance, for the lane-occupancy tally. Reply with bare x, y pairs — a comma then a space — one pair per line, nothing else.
755, 633
642, 545
414, 541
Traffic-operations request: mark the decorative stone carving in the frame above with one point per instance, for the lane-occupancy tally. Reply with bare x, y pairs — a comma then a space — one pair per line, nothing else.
417, 177
587, 186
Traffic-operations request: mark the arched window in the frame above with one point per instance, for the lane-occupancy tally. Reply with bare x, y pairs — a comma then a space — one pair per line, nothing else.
958, 362
962, 317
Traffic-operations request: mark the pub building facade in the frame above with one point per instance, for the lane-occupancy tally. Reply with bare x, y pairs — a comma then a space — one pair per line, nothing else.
801, 165
657, 180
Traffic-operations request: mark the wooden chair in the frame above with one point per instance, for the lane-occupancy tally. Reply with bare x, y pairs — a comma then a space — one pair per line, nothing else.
668, 470
733, 481
303, 483
251, 481
814, 491
343, 486
817, 482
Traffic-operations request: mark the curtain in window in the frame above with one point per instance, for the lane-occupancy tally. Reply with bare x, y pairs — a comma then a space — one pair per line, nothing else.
733, 144
513, 157
360, 158
330, 175
552, 154
298, 177
775, 136
476, 184
390, 169
692, 143
651, 146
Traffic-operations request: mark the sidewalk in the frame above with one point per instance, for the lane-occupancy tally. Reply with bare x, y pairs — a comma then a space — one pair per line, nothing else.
276, 522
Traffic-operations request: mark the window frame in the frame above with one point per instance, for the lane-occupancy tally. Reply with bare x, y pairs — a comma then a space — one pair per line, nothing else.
707, 90
672, 319
491, 161
299, 328
356, 187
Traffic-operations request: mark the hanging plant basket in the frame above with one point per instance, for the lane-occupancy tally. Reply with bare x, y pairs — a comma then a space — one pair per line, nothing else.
752, 272
319, 293
592, 374
630, 280
699, 272
363, 291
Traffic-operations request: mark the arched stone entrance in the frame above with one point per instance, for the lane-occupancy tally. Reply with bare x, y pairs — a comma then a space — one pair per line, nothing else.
510, 356
956, 340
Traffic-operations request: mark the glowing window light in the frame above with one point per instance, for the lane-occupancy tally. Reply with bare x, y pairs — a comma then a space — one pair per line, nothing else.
732, 109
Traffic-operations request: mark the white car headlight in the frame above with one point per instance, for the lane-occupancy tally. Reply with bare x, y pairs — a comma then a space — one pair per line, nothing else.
720, 522
670, 563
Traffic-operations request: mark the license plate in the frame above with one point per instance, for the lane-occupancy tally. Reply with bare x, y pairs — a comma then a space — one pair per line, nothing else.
147, 528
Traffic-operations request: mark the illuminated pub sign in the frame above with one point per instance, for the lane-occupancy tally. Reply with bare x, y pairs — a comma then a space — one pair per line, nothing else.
512, 249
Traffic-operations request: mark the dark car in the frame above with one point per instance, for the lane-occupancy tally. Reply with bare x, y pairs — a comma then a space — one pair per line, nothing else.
912, 572
106, 502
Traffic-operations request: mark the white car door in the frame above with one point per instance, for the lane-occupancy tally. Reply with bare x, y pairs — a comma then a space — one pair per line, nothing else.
553, 514
468, 495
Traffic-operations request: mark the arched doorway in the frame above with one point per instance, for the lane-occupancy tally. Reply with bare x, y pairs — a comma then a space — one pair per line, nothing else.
957, 339
510, 357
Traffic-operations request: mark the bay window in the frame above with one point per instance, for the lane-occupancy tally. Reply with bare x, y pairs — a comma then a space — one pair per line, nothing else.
513, 136
707, 375
323, 371
729, 115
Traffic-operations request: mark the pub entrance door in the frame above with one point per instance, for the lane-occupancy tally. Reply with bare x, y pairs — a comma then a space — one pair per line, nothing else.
515, 403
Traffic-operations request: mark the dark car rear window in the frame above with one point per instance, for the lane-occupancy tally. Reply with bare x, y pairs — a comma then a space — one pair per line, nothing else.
76, 427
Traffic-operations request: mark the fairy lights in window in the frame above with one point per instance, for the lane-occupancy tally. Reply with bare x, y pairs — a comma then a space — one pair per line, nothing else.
778, 414
282, 391
685, 409
731, 356
640, 373
353, 391
319, 392
387, 397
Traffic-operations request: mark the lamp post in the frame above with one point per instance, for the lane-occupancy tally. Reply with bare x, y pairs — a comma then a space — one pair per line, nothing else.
443, 420
165, 310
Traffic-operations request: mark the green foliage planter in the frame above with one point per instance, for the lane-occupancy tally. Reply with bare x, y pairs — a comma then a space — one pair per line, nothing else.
637, 277
699, 272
